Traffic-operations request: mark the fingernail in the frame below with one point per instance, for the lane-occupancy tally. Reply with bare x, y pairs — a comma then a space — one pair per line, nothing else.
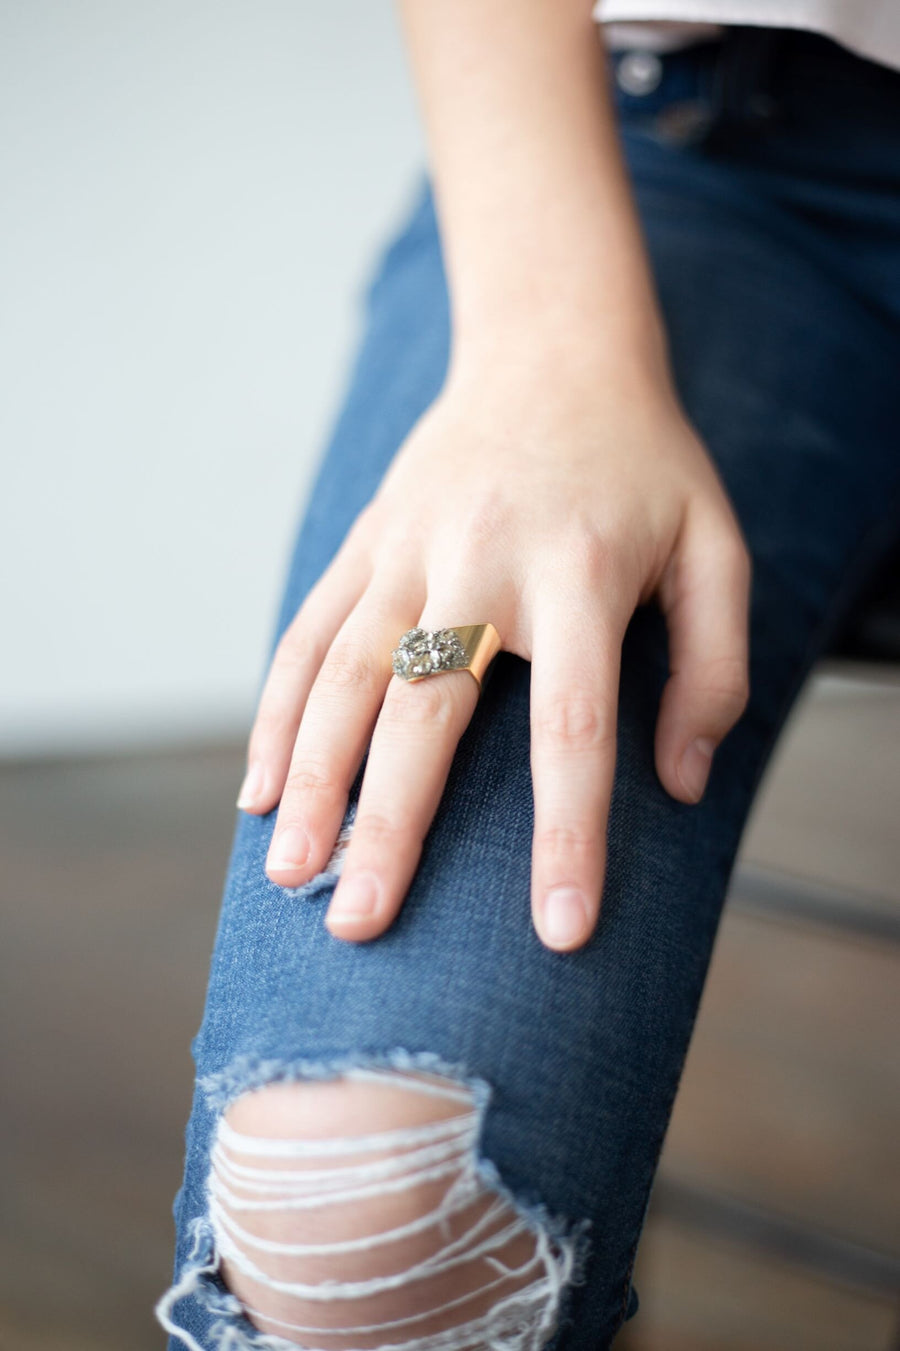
695, 764
251, 788
355, 897
290, 849
565, 915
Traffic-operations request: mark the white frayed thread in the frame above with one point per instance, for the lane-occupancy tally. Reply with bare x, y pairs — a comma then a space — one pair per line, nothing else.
517, 1313
247, 1072
301, 1192
324, 880
522, 1321
226, 1330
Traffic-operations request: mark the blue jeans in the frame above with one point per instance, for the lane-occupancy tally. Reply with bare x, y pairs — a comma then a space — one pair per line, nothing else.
766, 169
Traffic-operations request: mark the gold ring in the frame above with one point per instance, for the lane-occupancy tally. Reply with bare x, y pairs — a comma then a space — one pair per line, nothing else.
467, 647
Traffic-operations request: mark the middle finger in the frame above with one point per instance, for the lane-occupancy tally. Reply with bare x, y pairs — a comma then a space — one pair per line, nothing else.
574, 702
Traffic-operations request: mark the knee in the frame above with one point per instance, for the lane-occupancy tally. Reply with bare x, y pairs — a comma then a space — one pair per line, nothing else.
349, 1214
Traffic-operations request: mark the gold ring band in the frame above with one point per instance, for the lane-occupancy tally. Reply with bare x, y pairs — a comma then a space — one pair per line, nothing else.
426, 652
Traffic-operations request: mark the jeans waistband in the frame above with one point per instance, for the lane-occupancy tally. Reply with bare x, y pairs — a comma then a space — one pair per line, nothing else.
752, 79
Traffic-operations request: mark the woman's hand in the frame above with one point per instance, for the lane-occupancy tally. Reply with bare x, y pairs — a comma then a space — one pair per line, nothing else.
551, 499
552, 487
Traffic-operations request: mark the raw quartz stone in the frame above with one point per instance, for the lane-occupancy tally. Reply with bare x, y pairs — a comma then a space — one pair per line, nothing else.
422, 653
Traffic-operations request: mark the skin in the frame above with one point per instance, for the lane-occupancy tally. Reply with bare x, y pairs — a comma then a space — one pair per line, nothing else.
343, 1109
554, 484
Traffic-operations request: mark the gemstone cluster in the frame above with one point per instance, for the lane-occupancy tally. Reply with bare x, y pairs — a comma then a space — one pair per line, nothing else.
422, 653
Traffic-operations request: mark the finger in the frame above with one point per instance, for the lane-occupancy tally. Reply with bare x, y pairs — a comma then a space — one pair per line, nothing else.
706, 601
574, 706
295, 664
334, 732
412, 748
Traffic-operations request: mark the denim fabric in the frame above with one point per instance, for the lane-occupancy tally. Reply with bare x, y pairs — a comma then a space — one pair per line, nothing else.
766, 169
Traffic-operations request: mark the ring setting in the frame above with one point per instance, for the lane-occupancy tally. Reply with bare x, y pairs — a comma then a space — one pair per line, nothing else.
427, 652
422, 653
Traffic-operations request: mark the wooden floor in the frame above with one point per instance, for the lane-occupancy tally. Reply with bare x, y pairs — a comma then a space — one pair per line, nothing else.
774, 1222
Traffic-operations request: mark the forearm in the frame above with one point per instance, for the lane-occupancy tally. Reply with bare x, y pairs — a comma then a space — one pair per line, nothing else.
538, 226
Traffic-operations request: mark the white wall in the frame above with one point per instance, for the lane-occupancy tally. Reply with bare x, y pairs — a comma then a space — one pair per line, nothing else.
193, 192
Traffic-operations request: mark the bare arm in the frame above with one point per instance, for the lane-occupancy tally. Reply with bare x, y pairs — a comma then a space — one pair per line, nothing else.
536, 214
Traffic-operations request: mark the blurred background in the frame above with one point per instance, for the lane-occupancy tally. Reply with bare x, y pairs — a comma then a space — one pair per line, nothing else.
193, 197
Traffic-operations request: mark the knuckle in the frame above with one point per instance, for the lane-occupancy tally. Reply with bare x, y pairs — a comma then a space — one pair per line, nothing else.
607, 568
478, 531
574, 722
428, 701
732, 548
727, 681
589, 557
267, 740
375, 828
603, 557
293, 651
361, 544
567, 842
365, 523
350, 668
273, 726
309, 778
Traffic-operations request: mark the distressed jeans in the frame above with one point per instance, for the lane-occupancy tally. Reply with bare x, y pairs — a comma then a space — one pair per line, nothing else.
766, 169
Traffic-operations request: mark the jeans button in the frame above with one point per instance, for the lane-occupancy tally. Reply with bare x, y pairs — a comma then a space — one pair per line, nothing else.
639, 72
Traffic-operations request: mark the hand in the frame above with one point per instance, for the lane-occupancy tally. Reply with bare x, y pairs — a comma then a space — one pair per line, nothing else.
551, 502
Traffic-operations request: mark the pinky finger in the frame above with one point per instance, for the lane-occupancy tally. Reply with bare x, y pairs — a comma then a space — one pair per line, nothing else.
707, 613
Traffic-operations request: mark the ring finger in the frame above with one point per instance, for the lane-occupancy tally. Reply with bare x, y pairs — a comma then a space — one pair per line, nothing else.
413, 745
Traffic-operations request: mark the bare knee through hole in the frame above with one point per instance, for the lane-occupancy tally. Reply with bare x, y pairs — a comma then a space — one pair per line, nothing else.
348, 1214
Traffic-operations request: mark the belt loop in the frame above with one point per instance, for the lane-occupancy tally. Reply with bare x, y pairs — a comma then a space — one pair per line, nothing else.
743, 86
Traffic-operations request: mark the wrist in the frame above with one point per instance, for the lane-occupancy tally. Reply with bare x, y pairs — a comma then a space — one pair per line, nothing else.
586, 345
